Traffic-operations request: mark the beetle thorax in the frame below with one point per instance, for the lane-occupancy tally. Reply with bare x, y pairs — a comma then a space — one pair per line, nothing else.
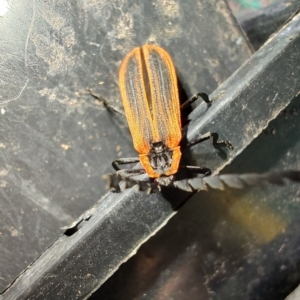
160, 157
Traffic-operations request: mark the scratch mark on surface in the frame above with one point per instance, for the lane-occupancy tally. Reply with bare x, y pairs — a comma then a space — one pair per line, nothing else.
244, 106
14, 216
102, 56
29, 32
275, 97
32, 193
86, 20
16, 98
235, 117
37, 229
94, 44
101, 48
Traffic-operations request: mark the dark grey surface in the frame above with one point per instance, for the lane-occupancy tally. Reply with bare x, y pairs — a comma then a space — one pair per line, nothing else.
56, 141
226, 245
253, 96
260, 24
233, 244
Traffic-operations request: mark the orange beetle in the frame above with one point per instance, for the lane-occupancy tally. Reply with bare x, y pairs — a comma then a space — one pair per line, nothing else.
149, 92
153, 111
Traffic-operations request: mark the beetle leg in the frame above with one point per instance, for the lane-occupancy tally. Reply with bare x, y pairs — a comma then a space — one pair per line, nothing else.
124, 161
192, 99
127, 173
199, 170
213, 136
105, 103
127, 178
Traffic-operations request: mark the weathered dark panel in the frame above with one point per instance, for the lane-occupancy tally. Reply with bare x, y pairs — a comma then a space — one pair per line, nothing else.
243, 106
259, 25
56, 141
228, 244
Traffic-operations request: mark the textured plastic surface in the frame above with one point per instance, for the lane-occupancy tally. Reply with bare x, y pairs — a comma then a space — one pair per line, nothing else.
234, 244
246, 103
262, 23
56, 141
